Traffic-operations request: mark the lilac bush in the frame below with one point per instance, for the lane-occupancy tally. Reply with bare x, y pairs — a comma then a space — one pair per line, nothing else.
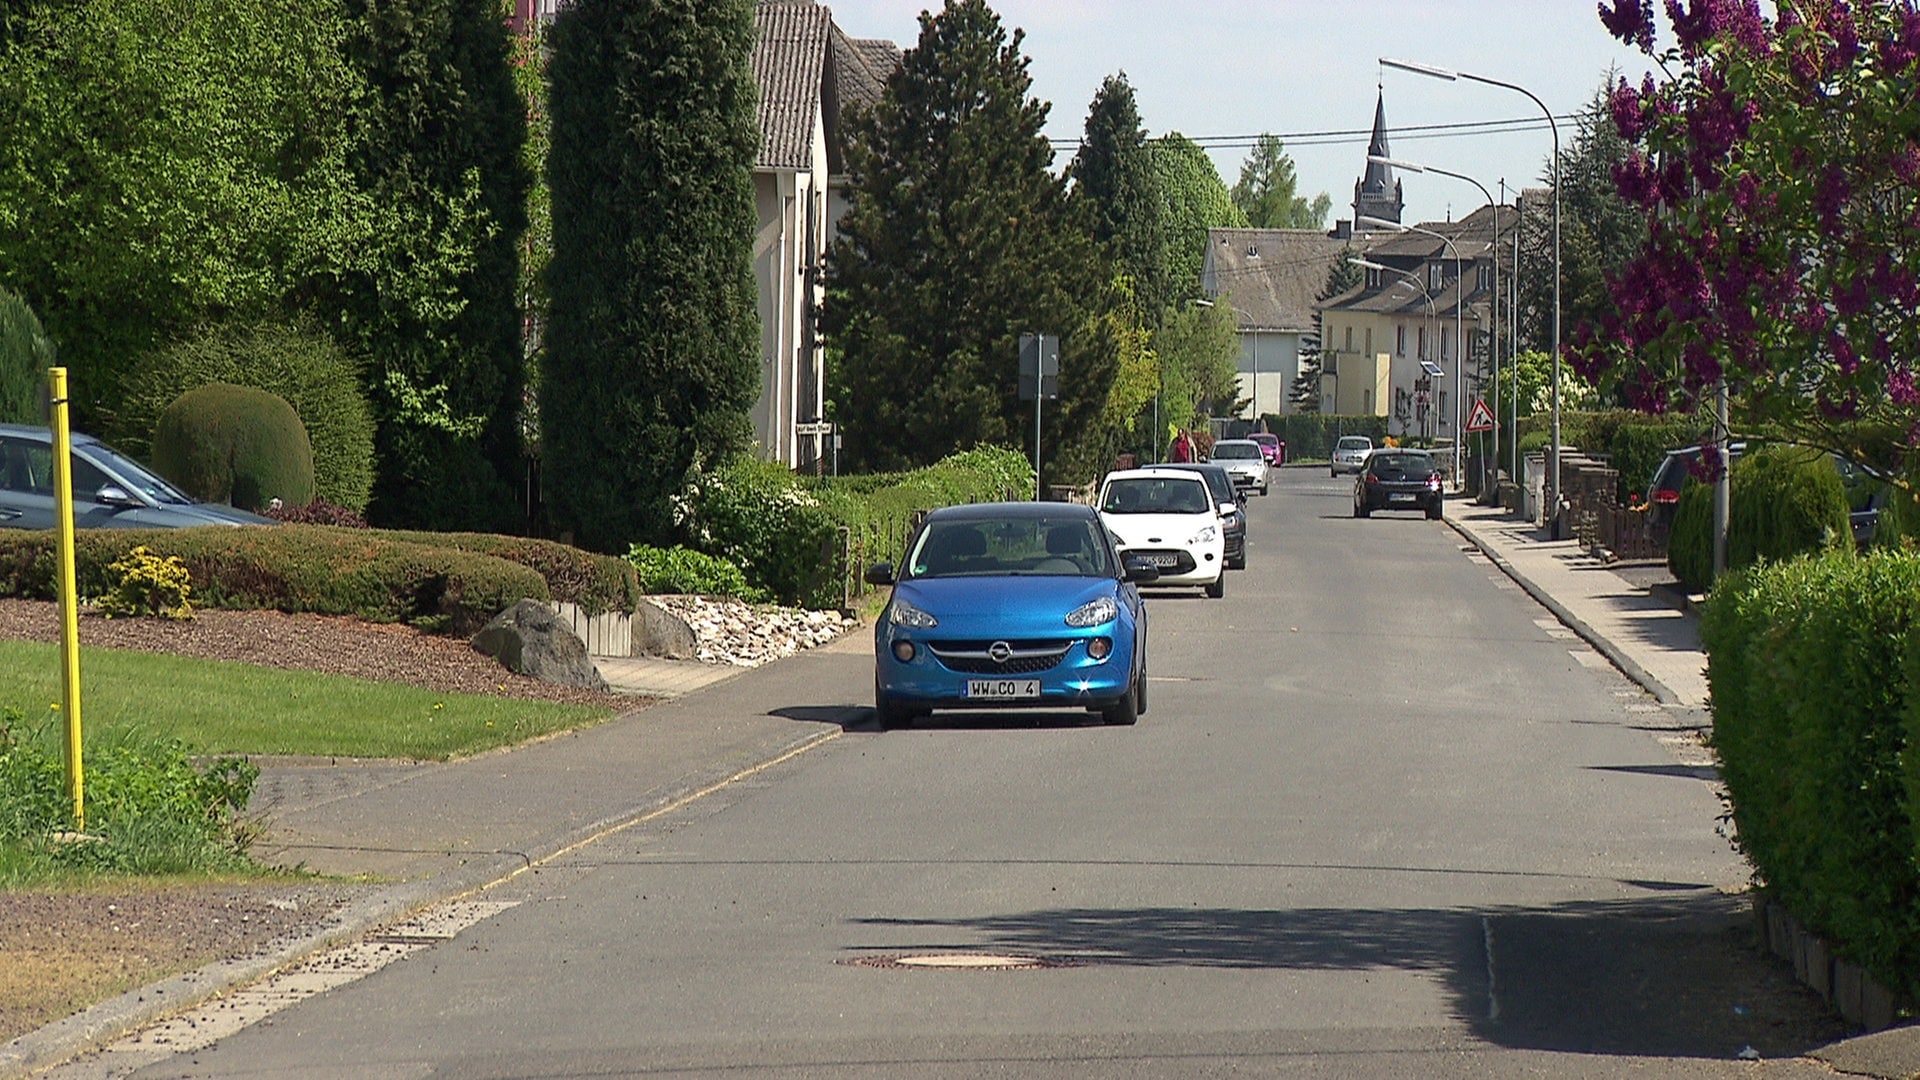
1778, 163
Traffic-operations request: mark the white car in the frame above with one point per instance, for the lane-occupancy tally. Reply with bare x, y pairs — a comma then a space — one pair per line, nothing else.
1350, 453
1169, 519
1243, 461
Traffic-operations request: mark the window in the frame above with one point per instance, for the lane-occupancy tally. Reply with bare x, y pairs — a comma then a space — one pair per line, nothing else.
1442, 399
1436, 276
1422, 343
1400, 340
1373, 278
1484, 275
1349, 339
1366, 402
1369, 341
1443, 342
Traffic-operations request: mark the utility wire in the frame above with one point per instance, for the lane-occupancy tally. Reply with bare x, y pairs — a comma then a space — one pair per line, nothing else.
1412, 133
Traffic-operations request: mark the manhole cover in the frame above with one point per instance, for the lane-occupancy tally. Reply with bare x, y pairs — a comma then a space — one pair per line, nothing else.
960, 961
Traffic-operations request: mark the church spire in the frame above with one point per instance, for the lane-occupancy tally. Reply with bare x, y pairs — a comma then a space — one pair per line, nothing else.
1377, 194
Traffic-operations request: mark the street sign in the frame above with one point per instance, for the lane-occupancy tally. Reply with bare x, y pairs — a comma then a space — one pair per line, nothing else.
1481, 418
814, 427
1040, 351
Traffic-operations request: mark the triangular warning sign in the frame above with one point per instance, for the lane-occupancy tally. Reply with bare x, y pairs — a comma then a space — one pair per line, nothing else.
1481, 418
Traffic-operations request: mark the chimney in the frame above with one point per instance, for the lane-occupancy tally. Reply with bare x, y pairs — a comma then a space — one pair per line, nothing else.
1342, 229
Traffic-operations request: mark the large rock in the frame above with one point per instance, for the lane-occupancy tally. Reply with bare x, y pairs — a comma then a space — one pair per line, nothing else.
662, 633
530, 640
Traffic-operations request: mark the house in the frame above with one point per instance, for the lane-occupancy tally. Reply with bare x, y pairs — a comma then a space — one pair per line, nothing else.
1272, 279
808, 71
1392, 345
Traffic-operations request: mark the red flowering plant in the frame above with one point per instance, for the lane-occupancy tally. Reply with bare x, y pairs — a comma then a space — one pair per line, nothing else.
1778, 163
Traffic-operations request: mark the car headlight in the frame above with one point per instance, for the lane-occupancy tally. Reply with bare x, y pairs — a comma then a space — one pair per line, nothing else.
905, 614
1093, 613
1204, 536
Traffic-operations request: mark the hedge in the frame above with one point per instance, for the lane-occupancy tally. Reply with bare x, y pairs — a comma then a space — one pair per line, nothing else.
1311, 436
596, 583
1814, 670
1785, 502
294, 568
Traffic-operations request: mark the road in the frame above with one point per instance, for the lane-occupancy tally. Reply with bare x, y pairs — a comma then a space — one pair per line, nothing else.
1383, 818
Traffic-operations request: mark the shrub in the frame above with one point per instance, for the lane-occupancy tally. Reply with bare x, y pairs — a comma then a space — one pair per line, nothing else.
757, 516
25, 356
298, 361
318, 512
595, 583
234, 444
1311, 435
295, 568
1814, 669
149, 585
678, 570
1785, 502
1637, 448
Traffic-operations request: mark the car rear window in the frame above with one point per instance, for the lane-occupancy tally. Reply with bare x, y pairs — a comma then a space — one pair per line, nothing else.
1390, 466
1236, 451
1356, 442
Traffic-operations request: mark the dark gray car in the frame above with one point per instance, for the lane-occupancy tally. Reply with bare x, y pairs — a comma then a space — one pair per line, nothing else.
110, 490
1233, 523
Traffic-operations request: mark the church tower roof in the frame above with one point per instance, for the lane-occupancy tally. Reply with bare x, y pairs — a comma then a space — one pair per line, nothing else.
1377, 194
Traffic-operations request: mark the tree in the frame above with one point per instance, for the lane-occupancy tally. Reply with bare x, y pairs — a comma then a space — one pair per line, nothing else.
1195, 200
1114, 176
1199, 350
960, 240
25, 356
653, 338
440, 140
1266, 191
1777, 176
536, 239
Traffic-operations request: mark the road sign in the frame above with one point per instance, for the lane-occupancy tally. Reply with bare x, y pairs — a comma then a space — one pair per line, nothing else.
1040, 351
814, 427
1481, 418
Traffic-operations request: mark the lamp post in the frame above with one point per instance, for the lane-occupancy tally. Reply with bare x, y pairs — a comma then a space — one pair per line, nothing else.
1460, 287
1493, 249
1425, 293
1203, 302
1450, 75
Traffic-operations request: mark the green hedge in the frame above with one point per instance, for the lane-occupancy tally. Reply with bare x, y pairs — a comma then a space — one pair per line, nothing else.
1785, 501
295, 568
596, 583
1814, 669
1310, 436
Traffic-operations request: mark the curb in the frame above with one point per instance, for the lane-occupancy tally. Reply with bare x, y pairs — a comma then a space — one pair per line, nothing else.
100, 1024
1627, 665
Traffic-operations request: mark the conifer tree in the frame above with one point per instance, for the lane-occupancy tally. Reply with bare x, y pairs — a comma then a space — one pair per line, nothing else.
959, 240
25, 356
1114, 177
653, 334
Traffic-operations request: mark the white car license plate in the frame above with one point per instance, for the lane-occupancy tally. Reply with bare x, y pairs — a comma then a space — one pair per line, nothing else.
1003, 689
1400, 498
1166, 559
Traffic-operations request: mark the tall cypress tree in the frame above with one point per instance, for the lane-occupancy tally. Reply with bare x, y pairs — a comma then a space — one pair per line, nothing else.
441, 135
959, 240
653, 333
1114, 175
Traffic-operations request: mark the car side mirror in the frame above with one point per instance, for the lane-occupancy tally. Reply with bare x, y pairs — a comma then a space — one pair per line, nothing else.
1140, 571
880, 574
114, 495
1230, 507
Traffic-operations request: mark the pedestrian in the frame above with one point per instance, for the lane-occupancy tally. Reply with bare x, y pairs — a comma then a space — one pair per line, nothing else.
1182, 447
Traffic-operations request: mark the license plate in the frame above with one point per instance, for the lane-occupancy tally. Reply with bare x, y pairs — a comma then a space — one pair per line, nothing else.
1400, 498
1003, 689
1166, 560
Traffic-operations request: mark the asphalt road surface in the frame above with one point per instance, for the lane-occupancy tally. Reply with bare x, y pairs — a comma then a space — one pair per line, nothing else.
1383, 818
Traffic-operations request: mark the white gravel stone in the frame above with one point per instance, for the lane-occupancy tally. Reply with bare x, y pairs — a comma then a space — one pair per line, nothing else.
747, 635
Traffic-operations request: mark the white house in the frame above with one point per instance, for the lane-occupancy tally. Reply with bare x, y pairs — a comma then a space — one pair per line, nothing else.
1272, 279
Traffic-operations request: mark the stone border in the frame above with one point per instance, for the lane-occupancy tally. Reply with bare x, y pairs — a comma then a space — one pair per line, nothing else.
1844, 984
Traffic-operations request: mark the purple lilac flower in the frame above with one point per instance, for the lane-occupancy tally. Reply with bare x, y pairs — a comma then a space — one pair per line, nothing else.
1696, 27
1631, 21
1901, 389
1623, 101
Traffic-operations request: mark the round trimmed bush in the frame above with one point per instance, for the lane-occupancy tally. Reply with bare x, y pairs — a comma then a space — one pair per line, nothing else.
237, 445
297, 360
1786, 501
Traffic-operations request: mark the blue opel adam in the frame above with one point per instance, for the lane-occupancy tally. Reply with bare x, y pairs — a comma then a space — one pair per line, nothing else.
1011, 606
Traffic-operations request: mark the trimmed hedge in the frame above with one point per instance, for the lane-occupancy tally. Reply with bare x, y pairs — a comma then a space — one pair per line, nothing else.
1786, 501
1814, 669
596, 583
236, 445
295, 568
1310, 436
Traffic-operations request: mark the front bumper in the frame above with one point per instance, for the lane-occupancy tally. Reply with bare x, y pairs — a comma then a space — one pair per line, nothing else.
1075, 681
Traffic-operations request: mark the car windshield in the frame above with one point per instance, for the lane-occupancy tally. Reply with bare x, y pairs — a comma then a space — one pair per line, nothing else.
1023, 546
1389, 466
136, 474
1236, 451
1156, 495
1266, 440
1356, 442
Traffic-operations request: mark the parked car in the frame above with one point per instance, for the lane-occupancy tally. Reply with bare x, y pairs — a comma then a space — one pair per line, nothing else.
1271, 447
1011, 605
1350, 453
1396, 479
1244, 461
1233, 517
1867, 490
1170, 519
110, 490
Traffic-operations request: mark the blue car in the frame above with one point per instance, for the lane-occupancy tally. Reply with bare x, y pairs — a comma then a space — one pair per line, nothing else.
1011, 606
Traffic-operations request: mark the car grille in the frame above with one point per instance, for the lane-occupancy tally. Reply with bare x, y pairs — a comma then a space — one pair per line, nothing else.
977, 657
1182, 561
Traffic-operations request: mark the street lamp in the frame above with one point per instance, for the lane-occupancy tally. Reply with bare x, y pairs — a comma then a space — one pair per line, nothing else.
1460, 286
1493, 250
1203, 302
1368, 264
1450, 75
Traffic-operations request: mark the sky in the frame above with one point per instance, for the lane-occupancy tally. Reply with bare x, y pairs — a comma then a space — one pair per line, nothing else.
1295, 67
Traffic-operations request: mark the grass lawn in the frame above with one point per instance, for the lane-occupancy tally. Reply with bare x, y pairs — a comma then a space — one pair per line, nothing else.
221, 707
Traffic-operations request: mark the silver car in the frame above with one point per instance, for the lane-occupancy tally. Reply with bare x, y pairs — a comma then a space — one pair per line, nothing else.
110, 490
1350, 453
1243, 461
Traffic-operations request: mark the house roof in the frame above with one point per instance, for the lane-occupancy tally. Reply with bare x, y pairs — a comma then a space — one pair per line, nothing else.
1472, 236
857, 73
789, 63
1272, 277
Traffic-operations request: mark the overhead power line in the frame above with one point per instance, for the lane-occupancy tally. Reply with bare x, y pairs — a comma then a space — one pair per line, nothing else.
1411, 133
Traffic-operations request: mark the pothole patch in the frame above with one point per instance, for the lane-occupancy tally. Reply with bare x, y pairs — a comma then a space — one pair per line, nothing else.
960, 962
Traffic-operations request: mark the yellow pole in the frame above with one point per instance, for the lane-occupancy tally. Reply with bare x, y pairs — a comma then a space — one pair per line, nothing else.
69, 593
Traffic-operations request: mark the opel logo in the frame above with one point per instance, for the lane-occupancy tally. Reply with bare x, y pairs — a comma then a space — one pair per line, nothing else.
1000, 651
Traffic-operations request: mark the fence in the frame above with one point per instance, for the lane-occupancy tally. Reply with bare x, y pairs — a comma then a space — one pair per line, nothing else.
851, 551
1591, 488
